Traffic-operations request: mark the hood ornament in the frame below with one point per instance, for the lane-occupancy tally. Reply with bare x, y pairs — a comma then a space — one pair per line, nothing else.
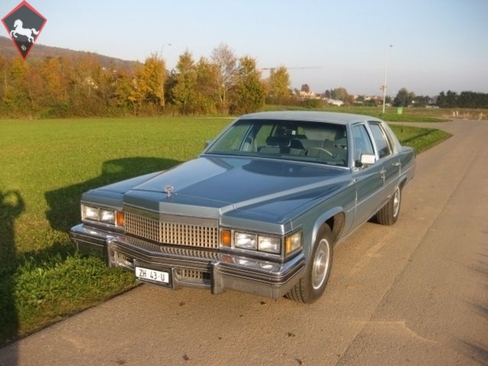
169, 190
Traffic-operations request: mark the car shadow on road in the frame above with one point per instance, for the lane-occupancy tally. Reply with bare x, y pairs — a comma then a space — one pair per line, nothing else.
64, 203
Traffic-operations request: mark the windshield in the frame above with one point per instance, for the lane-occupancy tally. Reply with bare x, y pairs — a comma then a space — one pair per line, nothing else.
324, 143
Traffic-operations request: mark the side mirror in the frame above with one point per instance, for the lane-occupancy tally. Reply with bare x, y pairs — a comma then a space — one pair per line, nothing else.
367, 159
207, 143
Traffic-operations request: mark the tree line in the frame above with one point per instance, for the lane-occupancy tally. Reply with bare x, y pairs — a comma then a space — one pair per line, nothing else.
222, 83
466, 99
65, 87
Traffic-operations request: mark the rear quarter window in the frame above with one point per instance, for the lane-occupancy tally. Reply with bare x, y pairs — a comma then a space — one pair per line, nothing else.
381, 140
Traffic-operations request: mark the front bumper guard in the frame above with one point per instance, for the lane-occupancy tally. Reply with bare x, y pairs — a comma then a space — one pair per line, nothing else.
221, 271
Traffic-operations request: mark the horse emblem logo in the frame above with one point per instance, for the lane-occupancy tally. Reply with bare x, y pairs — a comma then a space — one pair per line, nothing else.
22, 31
24, 24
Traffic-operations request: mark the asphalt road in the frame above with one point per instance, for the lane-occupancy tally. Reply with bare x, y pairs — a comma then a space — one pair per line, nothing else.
415, 293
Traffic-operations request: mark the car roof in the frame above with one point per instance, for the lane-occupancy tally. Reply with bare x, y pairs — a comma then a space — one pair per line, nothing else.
312, 116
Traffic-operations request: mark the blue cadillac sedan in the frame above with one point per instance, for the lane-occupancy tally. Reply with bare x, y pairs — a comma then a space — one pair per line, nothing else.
259, 210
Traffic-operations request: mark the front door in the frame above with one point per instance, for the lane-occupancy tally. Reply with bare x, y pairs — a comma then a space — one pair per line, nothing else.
368, 180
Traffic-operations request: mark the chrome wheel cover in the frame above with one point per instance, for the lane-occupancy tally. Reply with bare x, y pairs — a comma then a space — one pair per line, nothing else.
320, 265
396, 202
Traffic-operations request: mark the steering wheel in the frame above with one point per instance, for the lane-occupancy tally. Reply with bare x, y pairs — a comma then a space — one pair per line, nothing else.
317, 150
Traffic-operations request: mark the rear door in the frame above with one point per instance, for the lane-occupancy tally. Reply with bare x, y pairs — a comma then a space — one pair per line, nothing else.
389, 160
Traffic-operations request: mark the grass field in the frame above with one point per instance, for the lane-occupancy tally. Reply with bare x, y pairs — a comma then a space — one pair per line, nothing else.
45, 166
407, 115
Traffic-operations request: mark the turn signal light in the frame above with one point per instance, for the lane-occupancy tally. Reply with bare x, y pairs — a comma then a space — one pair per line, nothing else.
226, 238
119, 218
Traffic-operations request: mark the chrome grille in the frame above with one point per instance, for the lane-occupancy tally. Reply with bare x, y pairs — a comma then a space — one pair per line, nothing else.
187, 252
193, 232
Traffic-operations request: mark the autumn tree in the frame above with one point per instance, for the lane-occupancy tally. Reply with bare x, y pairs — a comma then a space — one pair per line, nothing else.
35, 88
148, 85
184, 91
16, 94
207, 88
341, 94
226, 62
57, 74
83, 76
121, 87
4, 79
154, 74
278, 85
138, 90
248, 92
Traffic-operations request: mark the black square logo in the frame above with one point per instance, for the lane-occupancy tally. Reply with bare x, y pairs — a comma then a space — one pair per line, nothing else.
24, 24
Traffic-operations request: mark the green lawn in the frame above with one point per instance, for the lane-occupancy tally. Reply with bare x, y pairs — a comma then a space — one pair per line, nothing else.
45, 166
407, 115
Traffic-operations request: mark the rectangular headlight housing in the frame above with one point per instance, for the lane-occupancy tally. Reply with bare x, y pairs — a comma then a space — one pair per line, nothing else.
102, 215
245, 240
90, 213
277, 245
261, 243
269, 244
107, 216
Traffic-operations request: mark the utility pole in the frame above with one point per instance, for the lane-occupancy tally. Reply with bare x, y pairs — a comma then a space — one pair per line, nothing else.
386, 73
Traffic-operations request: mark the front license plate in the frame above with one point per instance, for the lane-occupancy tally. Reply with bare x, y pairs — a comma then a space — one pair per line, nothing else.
145, 274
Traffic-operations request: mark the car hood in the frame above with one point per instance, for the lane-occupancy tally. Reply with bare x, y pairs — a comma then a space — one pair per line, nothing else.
213, 186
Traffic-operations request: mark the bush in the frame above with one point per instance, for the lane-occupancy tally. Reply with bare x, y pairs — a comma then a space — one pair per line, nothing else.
313, 103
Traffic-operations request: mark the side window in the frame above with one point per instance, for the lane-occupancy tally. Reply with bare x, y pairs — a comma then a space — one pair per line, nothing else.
380, 140
233, 139
362, 142
263, 133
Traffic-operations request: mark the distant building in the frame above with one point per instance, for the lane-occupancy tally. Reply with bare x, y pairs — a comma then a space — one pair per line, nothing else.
336, 102
307, 95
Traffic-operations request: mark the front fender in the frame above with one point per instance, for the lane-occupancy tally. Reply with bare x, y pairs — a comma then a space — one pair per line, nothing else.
324, 218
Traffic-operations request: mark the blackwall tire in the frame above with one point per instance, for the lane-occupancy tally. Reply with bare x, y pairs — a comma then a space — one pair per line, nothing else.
311, 287
389, 213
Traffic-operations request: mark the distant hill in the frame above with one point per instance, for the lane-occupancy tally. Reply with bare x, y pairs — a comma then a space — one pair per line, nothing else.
7, 48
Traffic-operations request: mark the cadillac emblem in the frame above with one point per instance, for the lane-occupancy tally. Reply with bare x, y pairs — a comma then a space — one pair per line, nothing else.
169, 190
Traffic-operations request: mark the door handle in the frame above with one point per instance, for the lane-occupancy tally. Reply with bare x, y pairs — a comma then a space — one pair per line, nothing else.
396, 164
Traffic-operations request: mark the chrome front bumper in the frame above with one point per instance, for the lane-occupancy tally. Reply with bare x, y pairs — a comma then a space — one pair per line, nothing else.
190, 267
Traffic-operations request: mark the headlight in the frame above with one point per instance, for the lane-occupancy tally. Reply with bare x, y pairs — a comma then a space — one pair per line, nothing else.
107, 216
102, 215
245, 241
261, 243
269, 244
90, 213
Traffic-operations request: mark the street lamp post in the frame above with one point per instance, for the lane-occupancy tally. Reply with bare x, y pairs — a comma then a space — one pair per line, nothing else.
386, 73
161, 50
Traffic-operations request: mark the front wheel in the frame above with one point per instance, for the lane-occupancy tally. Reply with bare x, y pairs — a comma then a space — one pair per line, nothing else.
313, 284
389, 213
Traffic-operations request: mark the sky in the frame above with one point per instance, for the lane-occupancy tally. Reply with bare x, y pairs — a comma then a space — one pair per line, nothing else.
436, 45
